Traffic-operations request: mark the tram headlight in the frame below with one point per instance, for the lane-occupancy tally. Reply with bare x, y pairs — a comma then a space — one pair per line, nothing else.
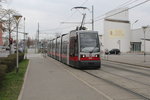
83, 56
97, 55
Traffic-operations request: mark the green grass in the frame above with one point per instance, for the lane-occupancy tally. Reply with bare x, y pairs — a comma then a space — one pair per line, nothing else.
11, 85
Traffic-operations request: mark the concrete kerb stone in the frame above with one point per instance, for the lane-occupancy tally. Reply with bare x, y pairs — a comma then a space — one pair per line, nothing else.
26, 74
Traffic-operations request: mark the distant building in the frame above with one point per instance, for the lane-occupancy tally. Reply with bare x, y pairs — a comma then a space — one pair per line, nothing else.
137, 40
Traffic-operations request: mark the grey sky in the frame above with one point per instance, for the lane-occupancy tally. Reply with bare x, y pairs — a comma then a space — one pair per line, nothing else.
49, 13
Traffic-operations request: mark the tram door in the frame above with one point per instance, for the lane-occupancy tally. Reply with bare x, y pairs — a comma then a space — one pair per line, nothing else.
73, 49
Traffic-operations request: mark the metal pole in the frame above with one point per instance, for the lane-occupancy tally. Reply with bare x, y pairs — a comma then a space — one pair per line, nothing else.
17, 49
131, 34
17, 18
24, 36
144, 29
144, 45
93, 18
38, 38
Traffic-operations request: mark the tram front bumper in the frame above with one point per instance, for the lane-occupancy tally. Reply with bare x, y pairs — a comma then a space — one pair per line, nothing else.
89, 64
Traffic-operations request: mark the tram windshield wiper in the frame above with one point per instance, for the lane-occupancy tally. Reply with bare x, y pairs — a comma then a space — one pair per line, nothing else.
93, 49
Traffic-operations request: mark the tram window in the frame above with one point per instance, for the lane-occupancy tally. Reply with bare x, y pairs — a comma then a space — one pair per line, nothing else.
76, 46
73, 44
89, 42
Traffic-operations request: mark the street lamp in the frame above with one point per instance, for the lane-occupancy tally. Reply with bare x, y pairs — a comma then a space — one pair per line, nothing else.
24, 36
144, 29
132, 48
17, 18
134, 23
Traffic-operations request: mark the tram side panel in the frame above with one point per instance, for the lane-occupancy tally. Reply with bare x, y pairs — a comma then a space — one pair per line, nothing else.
53, 48
64, 48
58, 40
73, 49
48, 49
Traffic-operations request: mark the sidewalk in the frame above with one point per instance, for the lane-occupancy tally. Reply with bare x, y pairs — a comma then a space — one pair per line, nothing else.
47, 80
132, 59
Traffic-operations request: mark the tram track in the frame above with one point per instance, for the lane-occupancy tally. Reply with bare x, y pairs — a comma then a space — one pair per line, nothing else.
127, 78
127, 69
145, 97
100, 76
127, 65
139, 75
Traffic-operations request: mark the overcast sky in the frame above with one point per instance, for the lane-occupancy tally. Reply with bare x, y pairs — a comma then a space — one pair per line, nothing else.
50, 13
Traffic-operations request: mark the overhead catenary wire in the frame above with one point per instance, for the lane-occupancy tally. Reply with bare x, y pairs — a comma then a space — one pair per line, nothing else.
123, 10
84, 2
127, 3
66, 19
102, 17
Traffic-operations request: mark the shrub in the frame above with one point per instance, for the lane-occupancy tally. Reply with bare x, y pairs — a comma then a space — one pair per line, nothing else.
3, 69
10, 61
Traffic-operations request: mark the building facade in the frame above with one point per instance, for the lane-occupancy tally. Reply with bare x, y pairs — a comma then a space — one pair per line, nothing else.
118, 34
117, 31
138, 39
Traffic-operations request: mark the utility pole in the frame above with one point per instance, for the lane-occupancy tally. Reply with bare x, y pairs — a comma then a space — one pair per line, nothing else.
25, 42
24, 37
38, 38
144, 29
92, 17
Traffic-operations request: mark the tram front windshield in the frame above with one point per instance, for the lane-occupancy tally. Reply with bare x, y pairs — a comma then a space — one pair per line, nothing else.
89, 42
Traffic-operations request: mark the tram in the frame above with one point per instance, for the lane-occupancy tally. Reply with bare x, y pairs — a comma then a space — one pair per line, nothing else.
78, 48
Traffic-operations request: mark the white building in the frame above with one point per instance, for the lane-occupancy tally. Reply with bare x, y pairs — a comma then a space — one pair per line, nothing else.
118, 34
117, 30
137, 40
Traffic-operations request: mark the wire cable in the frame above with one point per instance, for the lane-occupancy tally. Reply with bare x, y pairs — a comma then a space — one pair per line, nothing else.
124, 10
59, 26
127, 3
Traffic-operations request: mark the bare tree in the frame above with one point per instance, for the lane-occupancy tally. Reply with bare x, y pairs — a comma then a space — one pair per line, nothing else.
6, 16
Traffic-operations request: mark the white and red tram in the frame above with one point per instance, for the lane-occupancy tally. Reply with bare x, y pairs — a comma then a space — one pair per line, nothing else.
80, 49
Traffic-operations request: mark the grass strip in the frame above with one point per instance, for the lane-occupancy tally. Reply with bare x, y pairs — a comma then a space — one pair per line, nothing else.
11, 85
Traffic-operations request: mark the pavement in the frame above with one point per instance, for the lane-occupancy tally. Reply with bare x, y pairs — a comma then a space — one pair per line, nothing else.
45, 79
130, 58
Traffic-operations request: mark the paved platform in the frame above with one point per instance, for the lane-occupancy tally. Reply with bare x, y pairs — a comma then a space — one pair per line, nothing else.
45, 80
133, 59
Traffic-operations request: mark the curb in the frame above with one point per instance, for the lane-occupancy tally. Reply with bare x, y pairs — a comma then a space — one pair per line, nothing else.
24, 80
127, 63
